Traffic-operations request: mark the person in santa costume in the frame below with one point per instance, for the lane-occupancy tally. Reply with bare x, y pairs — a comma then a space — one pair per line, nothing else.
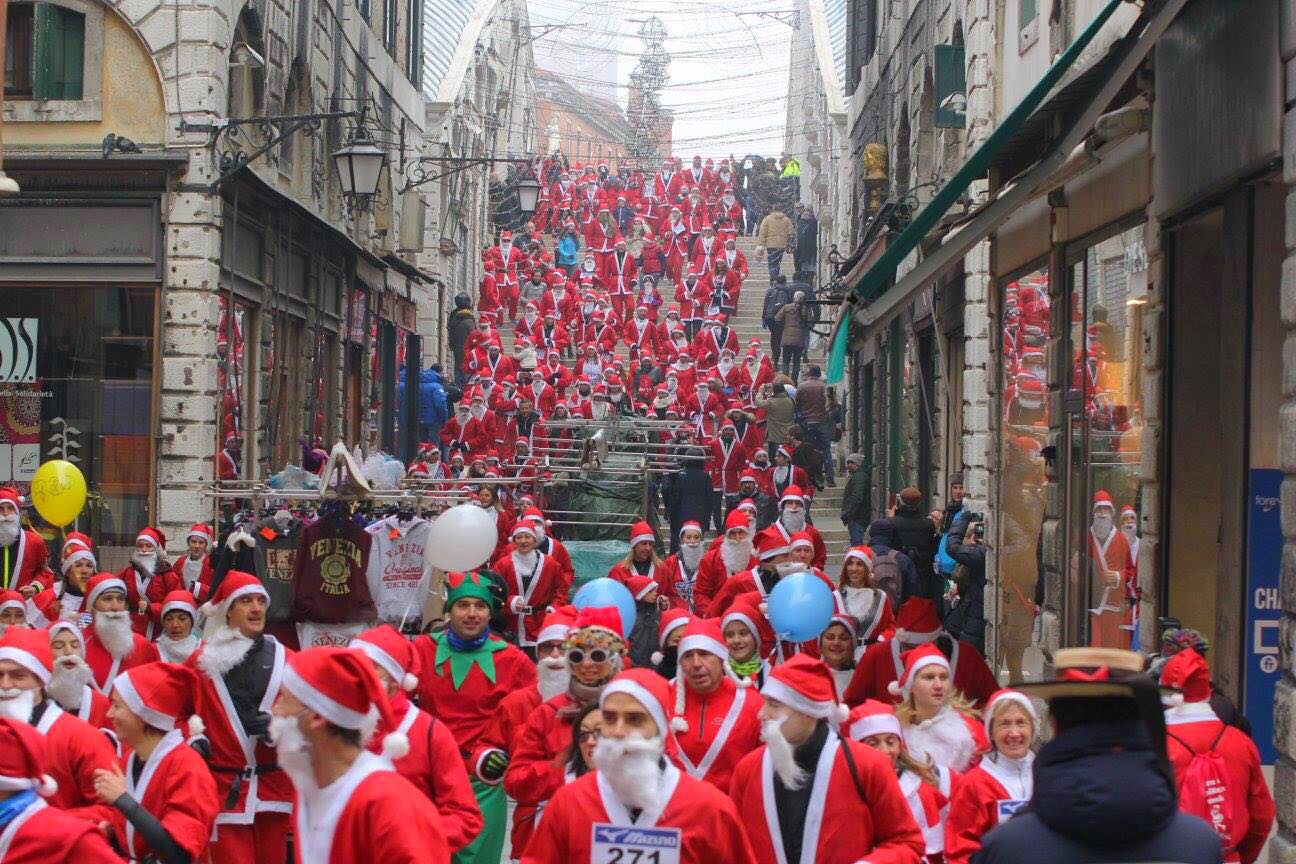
166, 794
148, 579
735, 554
715, 712
670, 629
111, 643
31, 831
750, 640
775, 554
809, 795
240, 669
534, 581
1112, 584
352, 806
939, 723
793, 508
465, 672
1193, 730
917, 624
867, 606
63, 600
547, 544
178, 640
74, 748
195, 568
637, 786
837, 648
926, 787
1001, 783
70, 678
22, 551
432, 763
13, 610
595, 650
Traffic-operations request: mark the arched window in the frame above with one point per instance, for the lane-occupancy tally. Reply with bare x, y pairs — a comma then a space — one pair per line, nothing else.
246, 76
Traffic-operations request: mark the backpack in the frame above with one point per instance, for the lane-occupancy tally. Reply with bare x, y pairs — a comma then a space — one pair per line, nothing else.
944, 563
775, 299
810, 313
1206, 793
887, 578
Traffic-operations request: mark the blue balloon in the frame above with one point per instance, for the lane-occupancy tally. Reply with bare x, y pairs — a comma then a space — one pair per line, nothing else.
800, 607
609, 592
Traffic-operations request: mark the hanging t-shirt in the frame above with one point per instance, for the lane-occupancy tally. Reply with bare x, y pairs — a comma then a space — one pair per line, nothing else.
329, 573
398, 571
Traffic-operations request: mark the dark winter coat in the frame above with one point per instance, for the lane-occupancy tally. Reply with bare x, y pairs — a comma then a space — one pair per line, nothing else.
643, 638
460, 324
967, 619
855, 506
689, 494
1100, 796
916, 537
882, 539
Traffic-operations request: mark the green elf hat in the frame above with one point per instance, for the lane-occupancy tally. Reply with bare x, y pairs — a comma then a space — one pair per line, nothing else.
462, 585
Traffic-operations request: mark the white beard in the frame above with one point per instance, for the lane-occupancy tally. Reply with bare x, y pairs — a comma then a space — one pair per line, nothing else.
177, 650
692, 555
293, 753
478, 412
146, 563
781, 755
114, 631
68, 681
735, 554
945, 739
599, 410
223, 650
724, 366
1102, 527
552, 677
9, 530
632, 768
1130, 534
858, 601
17, 704
524, 562
793, 522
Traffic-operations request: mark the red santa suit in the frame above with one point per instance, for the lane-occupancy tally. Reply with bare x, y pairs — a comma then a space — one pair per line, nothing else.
675, 239
820, 557
712, 574
705, 250
881, 665
640, 334
176, 787
498, 367
154, 589
488, 293
735, 258
41, 834
728, 459
711, 341
536, 765
692, 299
74, 751
505, 255
709, 830
665, 187
549, 335
722, 727
107, 667
1107, 555
619, 274
23, 563
840, 828
472, 432
984, 798
723, 289
544, 589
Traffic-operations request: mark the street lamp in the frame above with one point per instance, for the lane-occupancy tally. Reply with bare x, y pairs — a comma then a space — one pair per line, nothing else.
528, 192
359, 166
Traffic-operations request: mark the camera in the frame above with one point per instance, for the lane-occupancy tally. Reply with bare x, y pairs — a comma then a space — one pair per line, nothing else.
979, 519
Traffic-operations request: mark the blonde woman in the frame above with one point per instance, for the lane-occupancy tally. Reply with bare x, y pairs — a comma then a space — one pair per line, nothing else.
938, 722
857, 598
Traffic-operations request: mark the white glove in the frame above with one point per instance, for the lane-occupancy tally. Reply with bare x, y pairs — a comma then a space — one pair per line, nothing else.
516, 605
239, 538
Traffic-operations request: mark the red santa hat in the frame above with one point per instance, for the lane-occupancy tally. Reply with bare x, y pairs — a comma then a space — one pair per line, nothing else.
671, 620
599, 618
557, 624
534, 515
784, 451
648, 689
1188, 673
22, 759
200, 531
77, 540
10, 495
236, 584
390, 652
100, 583
153, 537
748, 477
641, 532
737, 519
806, 685
843, 619
1127, 510
915, 661
506, 236
341, 686
1102, 499
862, 554
770, 543
917, 621
523, 527
870, 718
160, 693
640, 586
792, 493
179, 599
747, 506
12, 600
30, 649
1001, 698
800, 538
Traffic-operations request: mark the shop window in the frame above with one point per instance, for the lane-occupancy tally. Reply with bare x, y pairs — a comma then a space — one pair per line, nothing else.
44, 52
231, 380
1024, 427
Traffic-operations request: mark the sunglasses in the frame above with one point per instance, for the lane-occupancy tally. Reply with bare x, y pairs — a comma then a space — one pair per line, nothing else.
576, 656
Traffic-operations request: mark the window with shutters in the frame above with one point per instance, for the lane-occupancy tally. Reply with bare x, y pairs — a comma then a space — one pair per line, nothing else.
414, 52
1027, 24
44, 53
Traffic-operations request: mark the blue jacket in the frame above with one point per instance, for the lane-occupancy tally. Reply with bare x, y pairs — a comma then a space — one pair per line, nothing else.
568, 247
433, 410
1100, 796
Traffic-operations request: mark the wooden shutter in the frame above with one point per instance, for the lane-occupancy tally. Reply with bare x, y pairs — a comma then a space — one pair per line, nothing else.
60, 53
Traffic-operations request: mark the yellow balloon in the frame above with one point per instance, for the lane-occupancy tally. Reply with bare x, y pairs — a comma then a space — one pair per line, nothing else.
59, 492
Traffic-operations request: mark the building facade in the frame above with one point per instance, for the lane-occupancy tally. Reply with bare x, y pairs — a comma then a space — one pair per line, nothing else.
588, 129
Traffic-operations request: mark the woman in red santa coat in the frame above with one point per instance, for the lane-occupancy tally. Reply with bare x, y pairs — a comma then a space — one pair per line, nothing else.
637, 786
62, 601
749, 637
148, 579
809, 795
534, 582
1003, 781
23, 553
432, 764
32, 832
939, 723
643, 560
926, 788
166, 793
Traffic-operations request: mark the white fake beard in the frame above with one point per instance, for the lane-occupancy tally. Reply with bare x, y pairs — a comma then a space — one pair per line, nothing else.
9, 529
724, 366
599, 410
787, 568
632, 768
524, 562
114, 631
735, 554
68, 681
945, 738
224, 650
146, 563
781, 755
552, 677
691, 554
1129, 532
794, 522
16, 704
293, 752
177, 650
1102, 526
478, 411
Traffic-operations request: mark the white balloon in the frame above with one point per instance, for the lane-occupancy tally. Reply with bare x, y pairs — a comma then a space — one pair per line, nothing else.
462, 538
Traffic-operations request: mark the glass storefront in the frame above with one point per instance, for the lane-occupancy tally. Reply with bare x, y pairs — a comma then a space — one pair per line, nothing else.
76, 383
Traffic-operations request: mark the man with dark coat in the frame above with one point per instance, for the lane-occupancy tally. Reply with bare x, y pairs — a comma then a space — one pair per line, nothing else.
688, 494
916, 537
460, 324
856, 508
807, 240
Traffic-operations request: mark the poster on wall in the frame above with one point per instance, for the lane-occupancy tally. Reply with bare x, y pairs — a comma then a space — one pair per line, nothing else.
20, 396
1264, 608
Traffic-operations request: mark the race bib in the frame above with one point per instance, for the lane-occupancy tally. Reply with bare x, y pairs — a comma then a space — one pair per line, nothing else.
620, 844
1007, 807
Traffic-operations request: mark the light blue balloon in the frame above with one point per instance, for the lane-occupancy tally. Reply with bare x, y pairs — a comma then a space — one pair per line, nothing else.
609, 592
800, 607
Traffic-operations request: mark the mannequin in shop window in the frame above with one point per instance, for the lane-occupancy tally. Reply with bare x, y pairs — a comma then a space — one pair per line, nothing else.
1111, 577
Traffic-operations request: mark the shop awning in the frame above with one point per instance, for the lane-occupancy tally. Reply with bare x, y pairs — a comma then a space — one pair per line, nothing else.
881, 307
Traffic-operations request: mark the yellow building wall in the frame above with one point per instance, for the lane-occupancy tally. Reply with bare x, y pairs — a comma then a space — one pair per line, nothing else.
133, 106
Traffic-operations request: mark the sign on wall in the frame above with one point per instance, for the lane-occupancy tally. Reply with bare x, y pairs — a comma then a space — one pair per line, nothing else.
17, 350
1264, 608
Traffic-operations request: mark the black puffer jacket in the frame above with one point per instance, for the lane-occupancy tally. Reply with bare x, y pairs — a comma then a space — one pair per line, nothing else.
916, 537
967, 619
1101, 796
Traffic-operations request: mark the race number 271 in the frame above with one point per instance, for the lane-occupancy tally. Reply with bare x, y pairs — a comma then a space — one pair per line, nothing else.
619, 844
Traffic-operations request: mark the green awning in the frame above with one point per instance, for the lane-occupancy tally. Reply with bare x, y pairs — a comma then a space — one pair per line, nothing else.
870, 288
